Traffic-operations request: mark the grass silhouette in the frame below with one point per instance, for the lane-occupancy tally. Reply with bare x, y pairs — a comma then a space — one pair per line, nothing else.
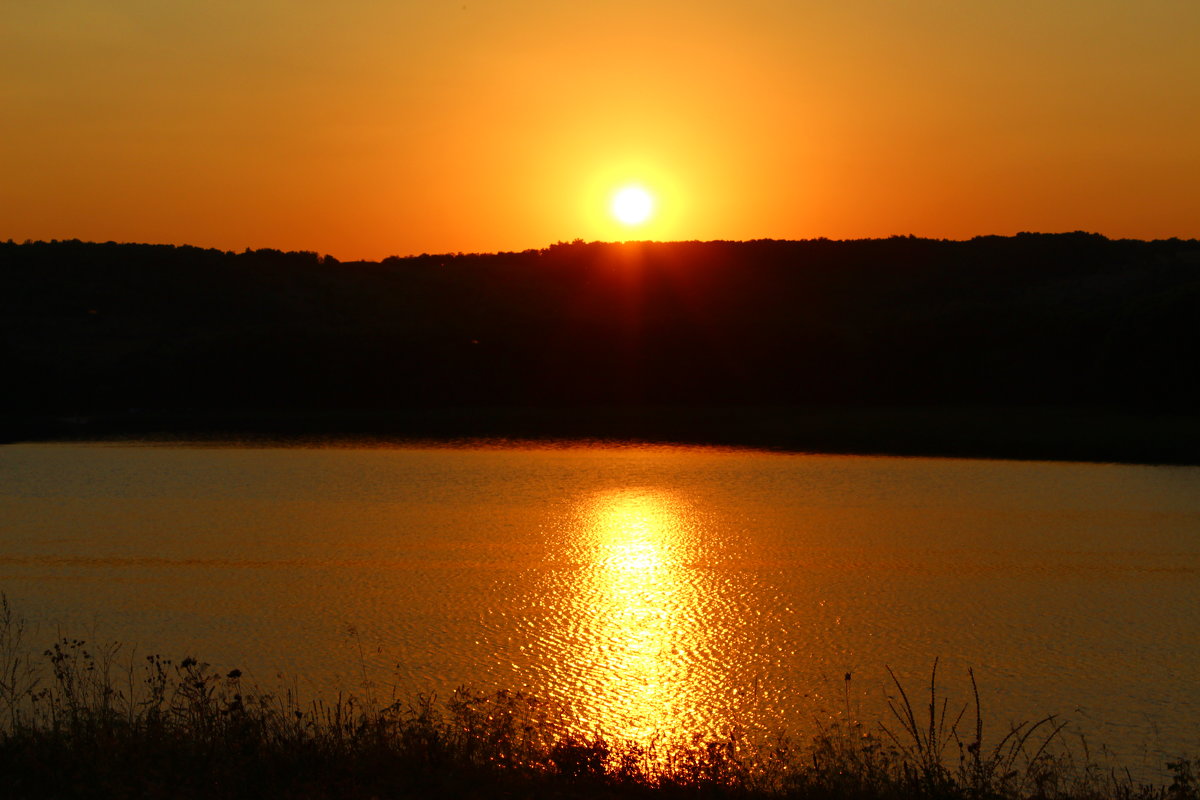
74, 723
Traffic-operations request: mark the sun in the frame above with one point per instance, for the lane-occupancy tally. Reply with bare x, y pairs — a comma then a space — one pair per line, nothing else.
632, 205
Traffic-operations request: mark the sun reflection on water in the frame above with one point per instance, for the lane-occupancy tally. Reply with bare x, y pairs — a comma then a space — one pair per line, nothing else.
638, 599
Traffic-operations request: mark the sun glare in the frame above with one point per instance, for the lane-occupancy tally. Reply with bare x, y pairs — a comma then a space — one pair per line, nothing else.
632, 205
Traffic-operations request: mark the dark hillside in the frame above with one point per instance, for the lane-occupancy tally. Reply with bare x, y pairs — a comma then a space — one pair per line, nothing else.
1064, 320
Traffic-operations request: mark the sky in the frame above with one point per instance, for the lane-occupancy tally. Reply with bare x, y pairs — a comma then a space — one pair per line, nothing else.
368, 128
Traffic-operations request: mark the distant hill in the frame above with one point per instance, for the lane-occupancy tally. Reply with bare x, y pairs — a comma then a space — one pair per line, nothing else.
1073, 320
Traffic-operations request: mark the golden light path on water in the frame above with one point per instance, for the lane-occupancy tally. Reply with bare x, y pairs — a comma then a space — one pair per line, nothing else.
631, 620
642, 609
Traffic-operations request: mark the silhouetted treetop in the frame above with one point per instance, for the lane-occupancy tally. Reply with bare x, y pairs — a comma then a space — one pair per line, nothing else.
1034, 318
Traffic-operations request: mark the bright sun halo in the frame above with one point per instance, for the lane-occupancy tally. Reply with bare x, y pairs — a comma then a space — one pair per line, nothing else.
632, 205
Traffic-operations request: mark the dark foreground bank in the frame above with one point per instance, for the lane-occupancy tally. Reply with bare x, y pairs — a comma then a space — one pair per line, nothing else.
1035, 433
80, 721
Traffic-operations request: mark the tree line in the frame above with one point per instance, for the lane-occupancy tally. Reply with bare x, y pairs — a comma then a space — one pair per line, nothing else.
1034, 319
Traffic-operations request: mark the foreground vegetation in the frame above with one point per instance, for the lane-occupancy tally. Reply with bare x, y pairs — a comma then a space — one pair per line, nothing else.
75, 724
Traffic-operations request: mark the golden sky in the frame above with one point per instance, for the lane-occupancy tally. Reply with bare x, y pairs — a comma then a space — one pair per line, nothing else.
365, 128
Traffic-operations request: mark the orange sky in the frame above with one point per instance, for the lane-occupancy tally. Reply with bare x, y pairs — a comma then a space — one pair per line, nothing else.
365, 128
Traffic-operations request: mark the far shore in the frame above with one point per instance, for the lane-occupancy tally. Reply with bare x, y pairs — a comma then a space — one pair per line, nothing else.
1025, 433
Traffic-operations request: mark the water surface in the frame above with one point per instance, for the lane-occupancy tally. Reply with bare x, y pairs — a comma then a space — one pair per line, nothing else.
648, 591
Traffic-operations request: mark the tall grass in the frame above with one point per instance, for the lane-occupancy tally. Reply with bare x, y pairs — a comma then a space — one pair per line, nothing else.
81, 721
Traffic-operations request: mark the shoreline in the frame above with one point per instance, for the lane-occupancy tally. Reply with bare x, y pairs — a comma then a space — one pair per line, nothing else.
1040, 433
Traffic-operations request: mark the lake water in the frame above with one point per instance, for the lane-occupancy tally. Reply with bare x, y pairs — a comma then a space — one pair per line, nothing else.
645, 590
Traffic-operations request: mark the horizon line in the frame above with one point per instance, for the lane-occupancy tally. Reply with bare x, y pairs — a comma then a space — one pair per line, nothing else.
579, 242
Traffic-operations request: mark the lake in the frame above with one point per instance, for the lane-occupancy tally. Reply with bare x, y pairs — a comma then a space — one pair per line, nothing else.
644, 590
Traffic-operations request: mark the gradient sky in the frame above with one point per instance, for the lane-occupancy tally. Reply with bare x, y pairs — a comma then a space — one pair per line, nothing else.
365, 128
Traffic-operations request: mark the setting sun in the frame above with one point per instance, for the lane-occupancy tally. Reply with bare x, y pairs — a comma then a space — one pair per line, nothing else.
632, 205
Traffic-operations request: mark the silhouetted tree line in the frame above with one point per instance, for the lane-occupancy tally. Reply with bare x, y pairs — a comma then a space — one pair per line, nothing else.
1072, 319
